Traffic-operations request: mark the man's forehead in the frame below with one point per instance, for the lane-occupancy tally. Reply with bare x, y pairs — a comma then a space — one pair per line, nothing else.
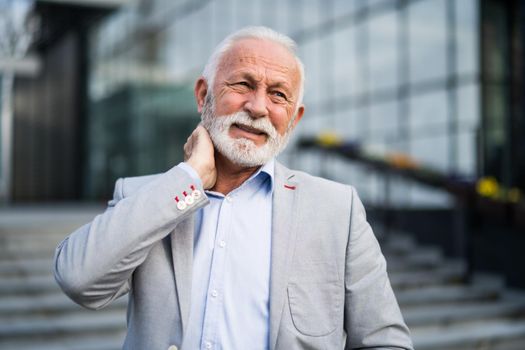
259, 53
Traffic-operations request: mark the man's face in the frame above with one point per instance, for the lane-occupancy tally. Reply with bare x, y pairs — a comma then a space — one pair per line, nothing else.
254, 101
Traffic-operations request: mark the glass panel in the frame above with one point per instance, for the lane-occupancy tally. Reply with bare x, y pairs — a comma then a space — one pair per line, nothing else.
203, 42
176, 55
362, 122
243, 13
345, 124
345, 63
373, 3
279, 12
467, 33
311, 13
400, 192
431, 151
428, 111
376, 188
427, 39
383, 51
468, 101
326, 68
423, 196
383, 120
361, 57
342, 7
467, 153
222, 23
309, 52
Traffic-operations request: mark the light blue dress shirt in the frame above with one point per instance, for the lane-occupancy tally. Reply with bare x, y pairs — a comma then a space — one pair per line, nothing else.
231, 267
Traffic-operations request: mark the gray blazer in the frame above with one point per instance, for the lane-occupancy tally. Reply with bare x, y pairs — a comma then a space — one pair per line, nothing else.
329, 287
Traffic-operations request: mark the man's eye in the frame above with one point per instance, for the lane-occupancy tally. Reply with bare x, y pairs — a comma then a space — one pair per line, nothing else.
280, 95
243, 83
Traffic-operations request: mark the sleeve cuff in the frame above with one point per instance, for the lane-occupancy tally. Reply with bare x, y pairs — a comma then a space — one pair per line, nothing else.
191, 172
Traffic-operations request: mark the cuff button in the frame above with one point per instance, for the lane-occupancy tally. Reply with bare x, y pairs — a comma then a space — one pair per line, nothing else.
189, 200
181, 205
196, 194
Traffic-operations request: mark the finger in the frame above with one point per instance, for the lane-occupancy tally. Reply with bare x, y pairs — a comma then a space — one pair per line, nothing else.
200, 129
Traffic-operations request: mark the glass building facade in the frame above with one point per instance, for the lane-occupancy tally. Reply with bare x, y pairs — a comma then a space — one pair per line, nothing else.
393, 75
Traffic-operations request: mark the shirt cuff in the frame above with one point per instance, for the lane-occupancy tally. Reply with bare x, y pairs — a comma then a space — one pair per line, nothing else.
191, 172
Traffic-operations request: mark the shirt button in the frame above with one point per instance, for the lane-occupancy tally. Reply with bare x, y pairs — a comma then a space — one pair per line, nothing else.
207, 345
214, 293
229, 199
222, 244
173, 347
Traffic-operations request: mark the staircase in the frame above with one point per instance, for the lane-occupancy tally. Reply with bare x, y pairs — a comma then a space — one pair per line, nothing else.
34, 313
442, 311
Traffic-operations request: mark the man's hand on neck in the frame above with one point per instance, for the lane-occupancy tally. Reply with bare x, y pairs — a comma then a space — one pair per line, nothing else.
199, 154
216, 172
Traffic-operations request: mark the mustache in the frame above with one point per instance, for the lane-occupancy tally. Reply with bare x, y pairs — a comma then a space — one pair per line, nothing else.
243, 118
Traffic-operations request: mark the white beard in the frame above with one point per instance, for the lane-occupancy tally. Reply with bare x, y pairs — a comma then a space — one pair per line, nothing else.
242, 151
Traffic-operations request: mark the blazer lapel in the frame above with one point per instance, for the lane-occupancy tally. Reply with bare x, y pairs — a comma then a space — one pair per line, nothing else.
182, 254
285, 196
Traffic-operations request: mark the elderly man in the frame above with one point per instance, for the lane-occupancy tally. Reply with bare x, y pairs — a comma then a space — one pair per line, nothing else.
230, 249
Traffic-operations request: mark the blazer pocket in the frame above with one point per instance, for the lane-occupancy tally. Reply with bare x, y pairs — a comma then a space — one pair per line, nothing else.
314, 307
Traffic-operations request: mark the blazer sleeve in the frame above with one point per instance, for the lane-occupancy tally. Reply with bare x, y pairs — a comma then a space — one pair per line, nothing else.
373, 319
94, 264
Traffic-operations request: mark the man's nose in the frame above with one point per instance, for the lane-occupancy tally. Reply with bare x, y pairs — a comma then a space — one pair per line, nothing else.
257, 105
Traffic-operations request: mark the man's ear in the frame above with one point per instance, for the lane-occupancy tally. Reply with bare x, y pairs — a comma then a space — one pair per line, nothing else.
201, 90
299, 115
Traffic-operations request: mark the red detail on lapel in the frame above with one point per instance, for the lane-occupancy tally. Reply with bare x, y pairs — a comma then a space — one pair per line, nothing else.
289, 187
177, 199
185, 194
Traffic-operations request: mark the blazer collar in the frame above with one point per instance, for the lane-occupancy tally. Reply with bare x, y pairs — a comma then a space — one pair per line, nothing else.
285, 199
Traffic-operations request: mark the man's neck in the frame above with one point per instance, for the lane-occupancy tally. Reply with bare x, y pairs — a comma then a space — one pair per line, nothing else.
230, 175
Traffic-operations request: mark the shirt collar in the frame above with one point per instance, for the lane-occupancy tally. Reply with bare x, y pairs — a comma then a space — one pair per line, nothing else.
267, 170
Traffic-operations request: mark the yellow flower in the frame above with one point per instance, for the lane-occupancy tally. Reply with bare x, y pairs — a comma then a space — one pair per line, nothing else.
329, 139
514, 195
487, 186
402, 161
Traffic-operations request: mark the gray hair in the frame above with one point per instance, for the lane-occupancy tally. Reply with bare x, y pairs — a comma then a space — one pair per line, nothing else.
258, 32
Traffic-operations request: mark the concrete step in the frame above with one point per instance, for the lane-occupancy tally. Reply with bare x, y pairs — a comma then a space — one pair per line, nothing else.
31, 246
10, 255
495, 335
446, 294
51, 304
25, 267
84, 322
447, 273
421, 316
78, 342
41, 217
420, 259
441, 309
28, 285
398, 244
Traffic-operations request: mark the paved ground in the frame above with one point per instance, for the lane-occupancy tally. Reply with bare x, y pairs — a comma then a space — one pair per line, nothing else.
442, 311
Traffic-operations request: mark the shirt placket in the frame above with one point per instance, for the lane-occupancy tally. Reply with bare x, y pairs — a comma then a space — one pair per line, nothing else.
214, 297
